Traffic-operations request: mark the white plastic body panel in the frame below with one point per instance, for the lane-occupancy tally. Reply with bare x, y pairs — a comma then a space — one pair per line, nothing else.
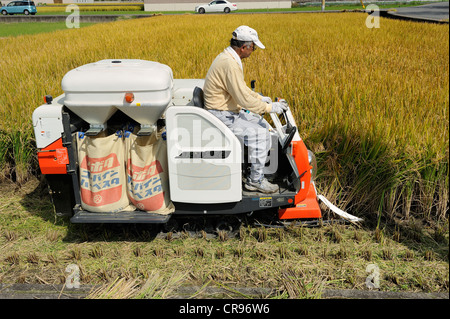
183, 89
281, 129
95, 91
47, 122
195, 175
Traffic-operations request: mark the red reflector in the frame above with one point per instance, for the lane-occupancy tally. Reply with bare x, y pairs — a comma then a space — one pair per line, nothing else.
129, 97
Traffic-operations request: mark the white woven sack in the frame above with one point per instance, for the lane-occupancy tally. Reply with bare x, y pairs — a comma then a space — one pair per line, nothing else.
102, 174
147, 174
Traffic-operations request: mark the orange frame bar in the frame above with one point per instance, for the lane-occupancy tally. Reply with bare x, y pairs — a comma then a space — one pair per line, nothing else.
306, 204
308, 208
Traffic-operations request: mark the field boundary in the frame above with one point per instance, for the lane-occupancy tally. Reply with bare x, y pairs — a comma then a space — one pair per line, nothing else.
83, 18
110, 17
385, 13
43, 291
394, 15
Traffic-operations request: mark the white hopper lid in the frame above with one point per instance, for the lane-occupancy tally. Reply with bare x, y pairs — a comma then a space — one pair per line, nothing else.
116, 75
97, 90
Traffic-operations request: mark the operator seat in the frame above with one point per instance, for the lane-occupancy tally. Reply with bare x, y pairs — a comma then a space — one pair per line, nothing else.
197, 97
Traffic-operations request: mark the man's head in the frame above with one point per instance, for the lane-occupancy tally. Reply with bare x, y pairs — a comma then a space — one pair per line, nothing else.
244, 41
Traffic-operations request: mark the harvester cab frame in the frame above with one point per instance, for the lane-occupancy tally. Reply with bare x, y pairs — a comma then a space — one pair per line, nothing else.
205, 160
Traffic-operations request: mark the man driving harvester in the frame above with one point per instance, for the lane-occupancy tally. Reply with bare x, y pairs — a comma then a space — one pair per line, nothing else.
227, 95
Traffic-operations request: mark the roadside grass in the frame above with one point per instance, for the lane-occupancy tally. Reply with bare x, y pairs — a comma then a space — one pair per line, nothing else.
23, 28
119, 12
98, 7
136, 261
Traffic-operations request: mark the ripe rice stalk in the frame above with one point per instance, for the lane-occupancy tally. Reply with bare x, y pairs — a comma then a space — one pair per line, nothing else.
379, 235
10, 235
33, 258
75, 254
367, 254
260, 255
159, 252
220, 253
238, 251
51, 258
199, 252
297, 285
12, 259
4, 152
283, 252
260, 234
52, 235
443, 197
23, 154
159, 287
357, 235
120, 288
387, 254
222, 235
138, 252
302, 250
342, 253
178, 251
96, 252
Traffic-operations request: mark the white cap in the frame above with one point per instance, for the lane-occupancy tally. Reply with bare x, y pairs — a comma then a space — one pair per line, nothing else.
245, 33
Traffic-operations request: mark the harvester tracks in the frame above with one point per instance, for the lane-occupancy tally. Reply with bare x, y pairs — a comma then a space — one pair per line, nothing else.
230, 226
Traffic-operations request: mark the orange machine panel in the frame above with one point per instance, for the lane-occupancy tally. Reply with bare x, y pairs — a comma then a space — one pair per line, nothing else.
300, 154
308, 208
53, 158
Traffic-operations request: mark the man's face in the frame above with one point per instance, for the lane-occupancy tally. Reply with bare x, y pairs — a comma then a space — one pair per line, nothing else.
246, 50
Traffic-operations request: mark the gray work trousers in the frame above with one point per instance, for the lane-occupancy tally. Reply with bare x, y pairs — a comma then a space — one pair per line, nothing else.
253, 132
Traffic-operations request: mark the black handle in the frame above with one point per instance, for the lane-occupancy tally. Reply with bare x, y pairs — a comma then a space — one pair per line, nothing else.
291, 131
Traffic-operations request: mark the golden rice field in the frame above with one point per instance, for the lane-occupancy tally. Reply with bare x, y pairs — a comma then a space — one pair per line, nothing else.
371, 103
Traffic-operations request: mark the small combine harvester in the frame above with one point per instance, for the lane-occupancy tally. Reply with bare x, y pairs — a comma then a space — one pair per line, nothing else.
127, 143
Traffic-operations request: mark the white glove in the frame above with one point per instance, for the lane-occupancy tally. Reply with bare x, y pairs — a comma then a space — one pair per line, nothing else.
266, 99
279, 107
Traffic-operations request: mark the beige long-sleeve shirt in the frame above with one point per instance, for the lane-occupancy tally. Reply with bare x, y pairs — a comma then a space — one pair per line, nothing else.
226, 90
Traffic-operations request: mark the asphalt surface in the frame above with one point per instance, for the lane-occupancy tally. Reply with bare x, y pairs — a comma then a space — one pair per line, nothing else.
434, 11
40, 291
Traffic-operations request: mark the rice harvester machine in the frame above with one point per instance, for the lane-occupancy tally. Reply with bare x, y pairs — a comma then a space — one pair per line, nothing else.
127, 143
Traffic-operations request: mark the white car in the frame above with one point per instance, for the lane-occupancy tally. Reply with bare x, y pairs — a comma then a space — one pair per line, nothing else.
216, 6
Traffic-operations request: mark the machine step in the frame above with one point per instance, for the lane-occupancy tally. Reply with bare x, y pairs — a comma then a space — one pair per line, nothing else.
120, 217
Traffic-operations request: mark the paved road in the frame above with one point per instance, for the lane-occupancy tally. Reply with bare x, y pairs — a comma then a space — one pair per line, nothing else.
39, 291
434, 11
